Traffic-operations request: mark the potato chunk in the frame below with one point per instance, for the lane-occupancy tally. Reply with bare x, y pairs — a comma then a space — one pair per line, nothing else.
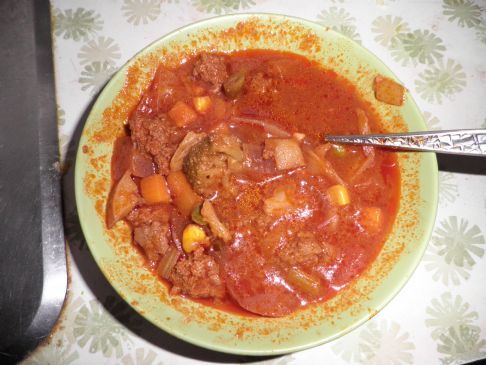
389, 91
287, 153
123, 198
182, 114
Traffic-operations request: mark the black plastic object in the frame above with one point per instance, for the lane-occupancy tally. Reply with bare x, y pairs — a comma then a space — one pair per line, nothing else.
33, 276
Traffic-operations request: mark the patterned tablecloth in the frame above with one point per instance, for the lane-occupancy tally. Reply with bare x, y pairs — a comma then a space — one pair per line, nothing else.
437, 48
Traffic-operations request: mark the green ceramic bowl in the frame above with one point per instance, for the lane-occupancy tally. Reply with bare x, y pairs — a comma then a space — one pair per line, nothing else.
208, 327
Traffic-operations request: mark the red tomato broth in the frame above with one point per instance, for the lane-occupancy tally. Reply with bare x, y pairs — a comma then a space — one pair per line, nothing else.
298, 96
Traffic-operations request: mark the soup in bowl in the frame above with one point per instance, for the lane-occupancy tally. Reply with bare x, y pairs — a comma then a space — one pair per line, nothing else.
213, 204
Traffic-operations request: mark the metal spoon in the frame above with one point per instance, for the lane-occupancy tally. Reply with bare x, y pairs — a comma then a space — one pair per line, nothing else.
471, 142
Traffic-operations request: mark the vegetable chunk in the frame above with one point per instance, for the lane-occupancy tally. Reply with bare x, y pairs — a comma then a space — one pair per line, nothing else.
154, 189
185, 198
193, 236
165, 266
126, 157
123, 198
234, 84
389, 91
317, 164
182, 114
287, 153
339, 195
204, 167
278, 204
303, 281
217, 227
202, 103
229, 145
371, 219
190, 140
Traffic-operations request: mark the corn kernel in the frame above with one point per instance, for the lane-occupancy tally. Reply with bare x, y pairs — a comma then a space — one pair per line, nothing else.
192, 237
201, 103
338, 150
338, 194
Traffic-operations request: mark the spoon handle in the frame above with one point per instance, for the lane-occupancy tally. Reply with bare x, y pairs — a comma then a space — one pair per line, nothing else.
470, 142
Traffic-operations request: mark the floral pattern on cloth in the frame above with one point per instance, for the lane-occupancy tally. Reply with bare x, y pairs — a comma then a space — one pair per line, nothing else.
437, 48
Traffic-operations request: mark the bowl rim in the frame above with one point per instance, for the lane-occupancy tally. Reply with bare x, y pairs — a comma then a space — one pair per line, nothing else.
208, 23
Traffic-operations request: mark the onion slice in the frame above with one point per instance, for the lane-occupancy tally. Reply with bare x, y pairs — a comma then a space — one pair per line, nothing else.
217, 227
190, 140
364, 128
369, 161
165, 266
317, 165
270, 128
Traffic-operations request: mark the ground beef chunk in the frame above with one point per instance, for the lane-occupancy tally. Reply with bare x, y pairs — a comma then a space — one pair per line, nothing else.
148, 214
268, 152
151, 229
305, 249
198, 276
156, 136
153, 238
211, 68
262, 221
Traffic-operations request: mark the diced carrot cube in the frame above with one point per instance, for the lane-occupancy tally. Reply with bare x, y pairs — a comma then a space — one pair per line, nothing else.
154, 189
184, 196
182, 114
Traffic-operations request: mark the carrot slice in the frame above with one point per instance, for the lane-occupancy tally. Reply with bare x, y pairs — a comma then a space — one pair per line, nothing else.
154, 189
184, 196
